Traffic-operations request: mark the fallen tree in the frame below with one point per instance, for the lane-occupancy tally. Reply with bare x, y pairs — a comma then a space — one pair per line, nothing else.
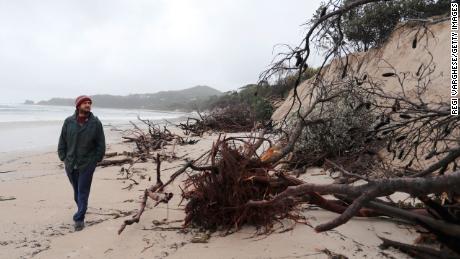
154, 137
232, 118
239, 180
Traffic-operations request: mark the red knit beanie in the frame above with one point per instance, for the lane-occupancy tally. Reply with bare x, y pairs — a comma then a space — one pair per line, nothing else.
80, 99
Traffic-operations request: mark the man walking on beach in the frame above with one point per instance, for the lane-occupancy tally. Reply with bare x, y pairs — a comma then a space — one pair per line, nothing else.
81, 146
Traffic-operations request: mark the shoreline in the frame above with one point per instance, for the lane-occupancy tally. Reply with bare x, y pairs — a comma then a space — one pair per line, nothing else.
40, 136
9, 159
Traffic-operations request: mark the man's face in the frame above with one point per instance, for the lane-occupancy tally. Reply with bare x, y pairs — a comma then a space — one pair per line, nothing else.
85, 106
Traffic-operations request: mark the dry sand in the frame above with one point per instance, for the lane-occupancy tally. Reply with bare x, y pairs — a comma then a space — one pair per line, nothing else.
397, 53
38, 221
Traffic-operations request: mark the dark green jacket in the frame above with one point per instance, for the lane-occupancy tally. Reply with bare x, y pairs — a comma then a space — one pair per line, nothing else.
81, 146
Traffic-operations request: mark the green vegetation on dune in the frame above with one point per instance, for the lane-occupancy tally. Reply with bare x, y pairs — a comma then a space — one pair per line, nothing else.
260, 99
371, 24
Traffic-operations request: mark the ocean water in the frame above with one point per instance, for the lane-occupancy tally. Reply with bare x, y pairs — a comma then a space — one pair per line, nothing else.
31, 127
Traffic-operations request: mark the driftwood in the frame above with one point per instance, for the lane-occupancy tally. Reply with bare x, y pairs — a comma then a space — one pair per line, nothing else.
219, 195
153, 138
417, 251
156, 192
111, 154
234, 118
122, 161
152, 192
7, 198
367, 192
216, 194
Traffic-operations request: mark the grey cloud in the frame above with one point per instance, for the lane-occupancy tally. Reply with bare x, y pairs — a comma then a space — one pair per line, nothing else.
66, 48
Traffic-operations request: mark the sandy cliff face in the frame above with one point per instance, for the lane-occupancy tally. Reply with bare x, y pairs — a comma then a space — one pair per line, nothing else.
398, 54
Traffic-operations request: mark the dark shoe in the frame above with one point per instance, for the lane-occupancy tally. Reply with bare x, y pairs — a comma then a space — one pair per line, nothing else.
79, 225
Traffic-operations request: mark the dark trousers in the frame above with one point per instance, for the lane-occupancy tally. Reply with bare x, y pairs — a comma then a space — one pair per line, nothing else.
81, 183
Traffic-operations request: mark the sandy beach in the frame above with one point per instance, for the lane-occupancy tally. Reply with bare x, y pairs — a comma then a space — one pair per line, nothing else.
37, 206
271, 117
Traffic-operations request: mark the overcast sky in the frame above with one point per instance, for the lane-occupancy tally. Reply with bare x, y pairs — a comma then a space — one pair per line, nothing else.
65, 48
